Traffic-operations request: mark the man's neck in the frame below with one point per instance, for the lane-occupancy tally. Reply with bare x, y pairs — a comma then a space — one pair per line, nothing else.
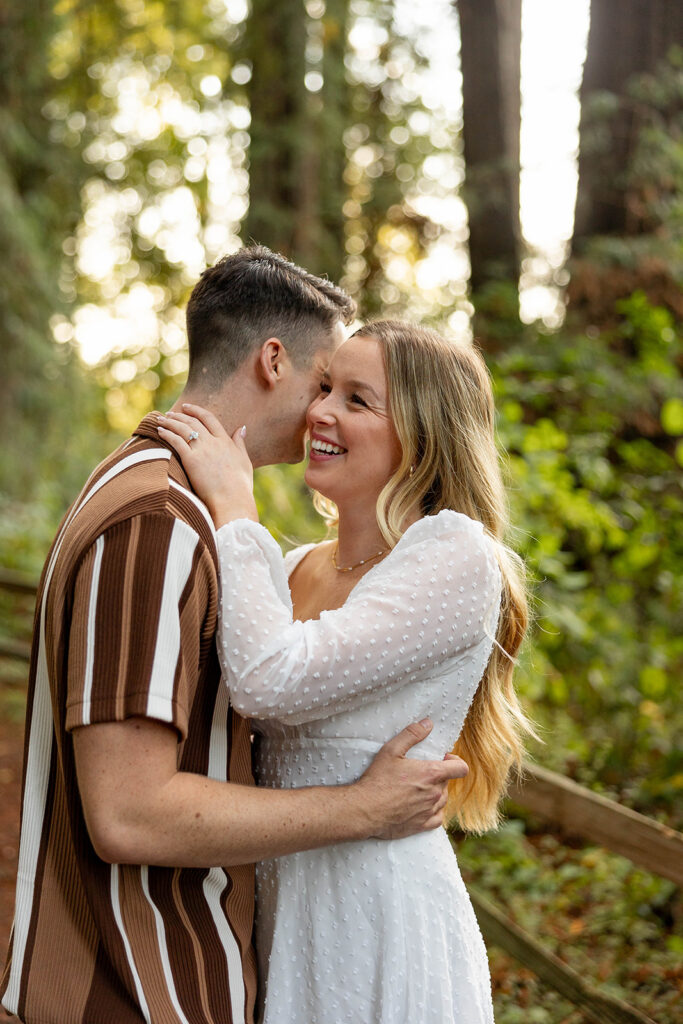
234, 405
225, 404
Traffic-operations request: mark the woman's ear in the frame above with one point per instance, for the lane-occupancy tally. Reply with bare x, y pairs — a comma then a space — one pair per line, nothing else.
270, 363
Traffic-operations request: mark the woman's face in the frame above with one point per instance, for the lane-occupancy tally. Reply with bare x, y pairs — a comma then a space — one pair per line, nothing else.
354, 446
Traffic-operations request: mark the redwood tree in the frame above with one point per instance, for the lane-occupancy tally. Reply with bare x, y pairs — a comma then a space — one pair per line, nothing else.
490, 32
626, 37
296, 152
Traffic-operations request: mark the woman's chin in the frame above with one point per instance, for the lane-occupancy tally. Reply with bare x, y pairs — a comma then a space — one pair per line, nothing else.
316, 481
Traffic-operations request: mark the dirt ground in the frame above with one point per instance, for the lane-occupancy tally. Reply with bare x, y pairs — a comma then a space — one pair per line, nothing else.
11, 751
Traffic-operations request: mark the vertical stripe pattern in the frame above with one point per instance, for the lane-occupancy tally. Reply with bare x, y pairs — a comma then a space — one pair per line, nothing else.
127, 614
90, 650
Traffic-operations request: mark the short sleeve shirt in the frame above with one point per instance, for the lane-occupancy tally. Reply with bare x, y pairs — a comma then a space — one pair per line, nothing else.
125, 623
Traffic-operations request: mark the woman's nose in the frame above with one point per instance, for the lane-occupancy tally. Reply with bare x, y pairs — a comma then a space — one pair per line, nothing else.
321, 409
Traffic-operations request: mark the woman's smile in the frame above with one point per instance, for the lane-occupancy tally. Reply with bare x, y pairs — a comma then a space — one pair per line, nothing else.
324, 448
354, 448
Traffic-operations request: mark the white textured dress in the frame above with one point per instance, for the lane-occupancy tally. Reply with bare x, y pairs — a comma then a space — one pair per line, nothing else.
373, 932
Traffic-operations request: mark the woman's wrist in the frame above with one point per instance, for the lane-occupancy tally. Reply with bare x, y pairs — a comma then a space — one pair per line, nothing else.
225, 511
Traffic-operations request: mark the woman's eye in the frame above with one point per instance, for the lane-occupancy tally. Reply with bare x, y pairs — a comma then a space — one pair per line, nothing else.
325, 387
358, 400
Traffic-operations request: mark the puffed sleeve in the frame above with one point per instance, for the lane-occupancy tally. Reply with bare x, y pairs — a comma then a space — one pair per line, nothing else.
431, 600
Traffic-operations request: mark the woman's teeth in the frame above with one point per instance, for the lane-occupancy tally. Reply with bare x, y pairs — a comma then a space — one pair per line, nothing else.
330, 449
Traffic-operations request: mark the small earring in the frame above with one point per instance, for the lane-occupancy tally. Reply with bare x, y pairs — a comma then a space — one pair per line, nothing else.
412, 470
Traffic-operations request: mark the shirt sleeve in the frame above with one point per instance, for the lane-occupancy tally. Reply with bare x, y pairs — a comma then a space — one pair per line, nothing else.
434, 598
140, 623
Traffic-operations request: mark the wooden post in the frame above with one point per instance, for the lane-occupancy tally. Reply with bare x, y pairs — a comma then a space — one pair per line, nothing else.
579, 812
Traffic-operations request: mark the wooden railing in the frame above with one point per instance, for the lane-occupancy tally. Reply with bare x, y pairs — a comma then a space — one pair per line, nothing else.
15, 583
578, 813
581, 814
587, 815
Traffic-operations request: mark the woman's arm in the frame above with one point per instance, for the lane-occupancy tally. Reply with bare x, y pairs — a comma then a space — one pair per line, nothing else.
432, 599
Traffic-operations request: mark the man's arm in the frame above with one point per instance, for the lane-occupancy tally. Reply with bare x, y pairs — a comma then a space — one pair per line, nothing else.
139, 809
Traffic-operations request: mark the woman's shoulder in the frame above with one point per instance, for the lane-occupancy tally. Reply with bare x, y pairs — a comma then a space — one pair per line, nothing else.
443, 541
433, 550
447, 525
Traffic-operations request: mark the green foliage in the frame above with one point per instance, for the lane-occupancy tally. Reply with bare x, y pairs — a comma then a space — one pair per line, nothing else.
611, 922
37, 208
591, 416
285, 505
588, 420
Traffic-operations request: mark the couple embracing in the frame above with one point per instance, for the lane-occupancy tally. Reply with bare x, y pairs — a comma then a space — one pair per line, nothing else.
169, 628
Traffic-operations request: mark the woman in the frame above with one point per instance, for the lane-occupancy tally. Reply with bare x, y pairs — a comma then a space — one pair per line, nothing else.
416, 609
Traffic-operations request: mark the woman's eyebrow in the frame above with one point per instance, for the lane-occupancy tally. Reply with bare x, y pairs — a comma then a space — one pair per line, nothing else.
356, 385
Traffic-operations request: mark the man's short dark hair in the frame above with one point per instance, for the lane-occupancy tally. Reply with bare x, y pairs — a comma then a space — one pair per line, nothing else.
253, 295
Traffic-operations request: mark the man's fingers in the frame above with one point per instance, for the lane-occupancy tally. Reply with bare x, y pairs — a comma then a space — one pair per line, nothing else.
408, 737
436, 821
452, 767
442, 801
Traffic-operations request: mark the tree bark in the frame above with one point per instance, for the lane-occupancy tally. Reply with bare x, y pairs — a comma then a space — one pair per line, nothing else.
626, 37
275, 44
297, 152
334, 119
490, 32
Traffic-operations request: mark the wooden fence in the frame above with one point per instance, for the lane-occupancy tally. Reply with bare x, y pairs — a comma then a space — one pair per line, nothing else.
577, 812
580, 813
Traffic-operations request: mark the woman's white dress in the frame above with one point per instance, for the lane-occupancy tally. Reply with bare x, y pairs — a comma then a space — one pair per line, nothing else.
373, 932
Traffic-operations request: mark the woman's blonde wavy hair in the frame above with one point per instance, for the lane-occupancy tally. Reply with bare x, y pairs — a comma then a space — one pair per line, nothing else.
441, 404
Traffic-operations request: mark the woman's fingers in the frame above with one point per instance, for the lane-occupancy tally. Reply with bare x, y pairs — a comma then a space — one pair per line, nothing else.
239, 439
211, 422
207, 427
181, 425
175, 439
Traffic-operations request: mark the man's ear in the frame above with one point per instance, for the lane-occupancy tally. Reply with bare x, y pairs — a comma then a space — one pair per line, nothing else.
271, 362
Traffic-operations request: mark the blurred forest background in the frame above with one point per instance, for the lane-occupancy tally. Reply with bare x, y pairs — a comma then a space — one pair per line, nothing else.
141, 140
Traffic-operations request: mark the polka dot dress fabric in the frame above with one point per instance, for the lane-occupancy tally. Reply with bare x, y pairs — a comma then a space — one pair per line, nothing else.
374, 932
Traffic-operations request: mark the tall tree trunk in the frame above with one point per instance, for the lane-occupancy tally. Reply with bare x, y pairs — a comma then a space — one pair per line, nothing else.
297, 154
625, 37
39, 180
319, 232
490, 32
275, 44
334, 118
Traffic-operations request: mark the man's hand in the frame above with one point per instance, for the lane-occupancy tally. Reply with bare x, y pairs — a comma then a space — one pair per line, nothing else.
139, 809
401, 796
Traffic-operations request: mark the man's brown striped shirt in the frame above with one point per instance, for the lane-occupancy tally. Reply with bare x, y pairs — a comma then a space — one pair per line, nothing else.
125, 621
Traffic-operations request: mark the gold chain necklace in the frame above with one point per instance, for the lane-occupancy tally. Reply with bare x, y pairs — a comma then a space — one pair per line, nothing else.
349, 568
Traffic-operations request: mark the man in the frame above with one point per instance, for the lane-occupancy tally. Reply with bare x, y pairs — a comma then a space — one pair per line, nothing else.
140, 821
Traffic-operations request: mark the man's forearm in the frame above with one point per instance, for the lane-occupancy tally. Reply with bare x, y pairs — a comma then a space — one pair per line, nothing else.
139, 809
200, 822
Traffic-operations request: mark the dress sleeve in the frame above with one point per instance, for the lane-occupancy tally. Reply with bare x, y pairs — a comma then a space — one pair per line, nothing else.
434, 598
143, 614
